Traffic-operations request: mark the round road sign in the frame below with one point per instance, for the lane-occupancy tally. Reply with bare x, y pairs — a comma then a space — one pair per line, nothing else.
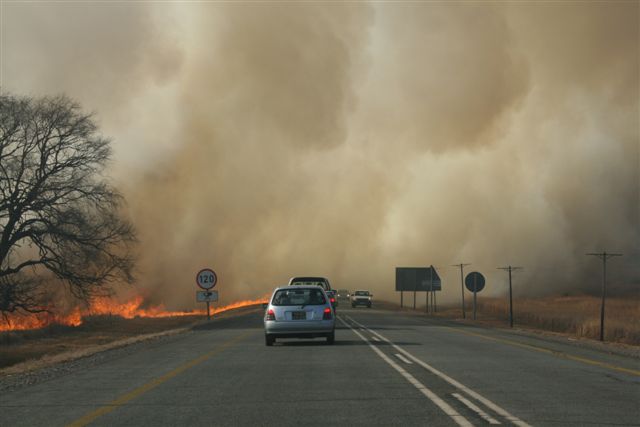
474, 280
206, 278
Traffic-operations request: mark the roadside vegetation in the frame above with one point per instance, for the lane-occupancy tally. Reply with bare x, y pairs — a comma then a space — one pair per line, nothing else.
21, 346
27, 350
575, 315
60, 217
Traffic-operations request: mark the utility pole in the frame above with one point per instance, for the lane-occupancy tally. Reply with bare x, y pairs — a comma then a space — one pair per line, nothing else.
603, 256
510, 269
462, 265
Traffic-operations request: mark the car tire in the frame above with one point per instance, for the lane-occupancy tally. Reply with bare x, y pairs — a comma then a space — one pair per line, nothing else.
368, 305
331, 338
269, 340
353, 306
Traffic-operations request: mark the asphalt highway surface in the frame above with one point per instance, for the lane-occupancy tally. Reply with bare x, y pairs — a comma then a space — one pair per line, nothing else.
386, 368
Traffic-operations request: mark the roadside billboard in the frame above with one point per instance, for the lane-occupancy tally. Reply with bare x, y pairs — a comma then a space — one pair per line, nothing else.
419, 279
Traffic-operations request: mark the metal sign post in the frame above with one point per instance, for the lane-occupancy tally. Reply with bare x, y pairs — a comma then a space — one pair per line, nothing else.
475, 283
432, 291
206, 279
428, 295
426, 302
431, 286
414, 298
435, 302
475, 292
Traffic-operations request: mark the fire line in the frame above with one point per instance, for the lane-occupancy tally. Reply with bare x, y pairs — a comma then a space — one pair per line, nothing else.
106, 306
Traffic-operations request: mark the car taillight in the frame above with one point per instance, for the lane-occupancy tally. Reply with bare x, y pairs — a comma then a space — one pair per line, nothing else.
333, 300
270, 315
327, 314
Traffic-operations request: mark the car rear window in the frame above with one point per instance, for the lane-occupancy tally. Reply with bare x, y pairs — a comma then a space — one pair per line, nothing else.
299, 297
304, 282
362, 293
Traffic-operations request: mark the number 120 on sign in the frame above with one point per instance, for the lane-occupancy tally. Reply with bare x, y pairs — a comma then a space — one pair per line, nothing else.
206, 278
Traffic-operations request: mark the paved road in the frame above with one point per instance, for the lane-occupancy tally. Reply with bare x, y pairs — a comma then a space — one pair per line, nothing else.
385, 369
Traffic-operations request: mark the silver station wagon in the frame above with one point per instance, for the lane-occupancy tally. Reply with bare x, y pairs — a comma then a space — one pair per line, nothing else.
299, 312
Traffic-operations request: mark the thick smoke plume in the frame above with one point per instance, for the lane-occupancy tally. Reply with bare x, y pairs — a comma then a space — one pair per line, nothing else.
268, 140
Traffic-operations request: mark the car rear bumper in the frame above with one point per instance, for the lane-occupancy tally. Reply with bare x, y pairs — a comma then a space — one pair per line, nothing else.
299, 328
361, 302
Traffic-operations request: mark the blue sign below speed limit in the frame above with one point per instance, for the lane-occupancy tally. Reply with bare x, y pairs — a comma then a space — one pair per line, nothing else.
206, 278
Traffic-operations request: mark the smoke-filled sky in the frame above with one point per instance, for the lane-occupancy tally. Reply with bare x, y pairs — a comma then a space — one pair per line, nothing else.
267, 139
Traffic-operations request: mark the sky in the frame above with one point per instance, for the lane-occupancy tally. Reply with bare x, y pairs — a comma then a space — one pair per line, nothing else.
272, 139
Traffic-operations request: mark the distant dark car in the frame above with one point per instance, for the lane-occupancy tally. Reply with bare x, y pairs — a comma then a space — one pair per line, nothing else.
316, 281
342, 294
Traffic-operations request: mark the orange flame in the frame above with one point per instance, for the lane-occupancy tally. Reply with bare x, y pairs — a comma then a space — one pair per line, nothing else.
107, 306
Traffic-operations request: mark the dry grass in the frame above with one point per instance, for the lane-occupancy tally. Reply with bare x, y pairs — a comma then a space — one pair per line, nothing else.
22, 351
575, 315
97, 332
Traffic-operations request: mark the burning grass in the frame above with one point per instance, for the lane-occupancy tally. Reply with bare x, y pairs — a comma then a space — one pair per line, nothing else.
128, 309
23, 345
105, 321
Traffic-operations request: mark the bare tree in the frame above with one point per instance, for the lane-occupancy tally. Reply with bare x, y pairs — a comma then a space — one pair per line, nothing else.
58, 214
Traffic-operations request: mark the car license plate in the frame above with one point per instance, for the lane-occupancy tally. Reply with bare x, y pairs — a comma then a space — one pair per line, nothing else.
299, 315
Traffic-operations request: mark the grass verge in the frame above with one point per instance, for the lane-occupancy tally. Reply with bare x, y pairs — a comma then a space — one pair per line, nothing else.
28, 350
577, 316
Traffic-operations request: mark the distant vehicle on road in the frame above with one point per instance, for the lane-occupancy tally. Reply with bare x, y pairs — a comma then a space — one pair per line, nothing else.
361, 297
299, 312
342, 294
317, 281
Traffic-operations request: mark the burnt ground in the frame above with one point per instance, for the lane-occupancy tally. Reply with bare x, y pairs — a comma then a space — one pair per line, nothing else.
31, 349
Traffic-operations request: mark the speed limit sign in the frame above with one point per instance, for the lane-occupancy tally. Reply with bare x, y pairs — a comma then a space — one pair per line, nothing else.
206, 278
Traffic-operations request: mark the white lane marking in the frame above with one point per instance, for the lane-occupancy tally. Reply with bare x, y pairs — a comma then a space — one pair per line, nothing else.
475, 408
515, 420
404, 359
446, 408
375, 338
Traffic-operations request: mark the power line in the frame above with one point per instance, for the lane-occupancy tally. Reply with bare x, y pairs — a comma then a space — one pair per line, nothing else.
510, 269
603, 256
462, 265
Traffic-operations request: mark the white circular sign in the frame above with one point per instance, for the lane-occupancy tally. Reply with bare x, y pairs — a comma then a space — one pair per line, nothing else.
206, 278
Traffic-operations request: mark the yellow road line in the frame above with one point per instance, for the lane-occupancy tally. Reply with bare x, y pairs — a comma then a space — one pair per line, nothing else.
91, 416
552, 352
